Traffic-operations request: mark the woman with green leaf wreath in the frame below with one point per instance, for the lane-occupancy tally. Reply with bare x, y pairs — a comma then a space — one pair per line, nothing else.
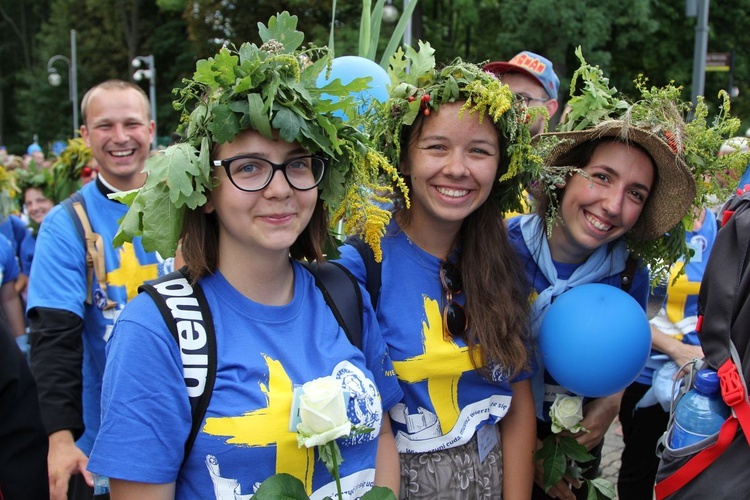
452, 302
619, 185
247, 193
42, 188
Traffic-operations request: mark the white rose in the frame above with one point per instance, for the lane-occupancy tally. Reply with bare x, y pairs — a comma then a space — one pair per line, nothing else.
566, 413
322, 411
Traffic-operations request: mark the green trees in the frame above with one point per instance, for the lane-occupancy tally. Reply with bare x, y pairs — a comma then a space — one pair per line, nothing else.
625, 38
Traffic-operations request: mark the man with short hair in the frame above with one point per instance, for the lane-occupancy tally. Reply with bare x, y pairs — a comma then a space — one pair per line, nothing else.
530, 76
72, 313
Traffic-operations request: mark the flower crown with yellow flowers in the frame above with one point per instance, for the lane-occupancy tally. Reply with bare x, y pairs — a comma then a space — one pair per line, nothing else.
267, 88
685, 154
8, 193
417, 86
68, 168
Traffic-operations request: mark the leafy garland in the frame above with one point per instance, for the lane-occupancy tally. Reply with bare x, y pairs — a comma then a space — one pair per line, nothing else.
417, 86
267, 88
8, 193
33, 177
66, 170
659, 110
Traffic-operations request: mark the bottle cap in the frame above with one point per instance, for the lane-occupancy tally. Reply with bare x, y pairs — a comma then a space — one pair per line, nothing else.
707, 381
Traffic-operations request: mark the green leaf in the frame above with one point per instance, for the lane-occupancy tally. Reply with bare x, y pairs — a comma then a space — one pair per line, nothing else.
289, 124
333, 23
553, 461
573, 449
422, 62
604, 487
379, 493
258, 115
376, 22
205, 73
224, 64
364, 30
282, 28
225, 125
161, 220
398, 33
280, 487
330, 455
177, 168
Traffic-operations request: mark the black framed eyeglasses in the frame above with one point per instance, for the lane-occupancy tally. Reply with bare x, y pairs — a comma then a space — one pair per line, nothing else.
454, 315
528, 99
251, 173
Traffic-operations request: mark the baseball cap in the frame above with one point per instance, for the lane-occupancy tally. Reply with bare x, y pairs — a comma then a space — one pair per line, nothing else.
534, 65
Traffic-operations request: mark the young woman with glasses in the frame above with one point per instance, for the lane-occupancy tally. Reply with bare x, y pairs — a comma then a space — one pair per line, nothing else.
261, 209
452, 305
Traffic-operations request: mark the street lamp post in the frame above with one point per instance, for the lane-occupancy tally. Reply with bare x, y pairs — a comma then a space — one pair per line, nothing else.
148, 72
55, 79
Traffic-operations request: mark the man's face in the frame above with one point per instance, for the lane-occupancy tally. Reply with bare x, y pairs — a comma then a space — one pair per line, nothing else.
535, 95
119, 133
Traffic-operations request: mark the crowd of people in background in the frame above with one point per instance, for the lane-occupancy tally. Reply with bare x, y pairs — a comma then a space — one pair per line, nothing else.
456, 274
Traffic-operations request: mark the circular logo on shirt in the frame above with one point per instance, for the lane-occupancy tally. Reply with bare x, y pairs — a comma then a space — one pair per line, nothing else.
100, 299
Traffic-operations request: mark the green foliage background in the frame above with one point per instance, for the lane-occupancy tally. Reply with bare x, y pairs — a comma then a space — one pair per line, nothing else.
653, 37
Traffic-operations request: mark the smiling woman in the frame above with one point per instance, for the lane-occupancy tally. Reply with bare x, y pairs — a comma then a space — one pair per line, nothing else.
245, 194
611, 197
452, 302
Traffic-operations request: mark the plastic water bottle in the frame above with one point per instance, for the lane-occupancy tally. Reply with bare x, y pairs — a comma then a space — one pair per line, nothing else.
101, 487
700, 413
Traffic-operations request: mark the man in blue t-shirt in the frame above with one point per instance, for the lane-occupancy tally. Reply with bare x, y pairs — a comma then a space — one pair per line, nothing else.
70, 324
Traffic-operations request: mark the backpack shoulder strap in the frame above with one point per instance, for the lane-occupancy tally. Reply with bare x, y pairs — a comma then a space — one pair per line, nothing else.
626, 278
75, 206
343, 296
185, 311
373, 268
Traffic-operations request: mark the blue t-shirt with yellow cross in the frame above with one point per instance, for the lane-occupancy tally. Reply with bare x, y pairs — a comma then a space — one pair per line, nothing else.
446, 401
263, 353
678, 315
58, 281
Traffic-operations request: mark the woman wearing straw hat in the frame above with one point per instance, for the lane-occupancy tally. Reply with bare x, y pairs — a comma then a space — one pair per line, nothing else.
613, 191
258, 159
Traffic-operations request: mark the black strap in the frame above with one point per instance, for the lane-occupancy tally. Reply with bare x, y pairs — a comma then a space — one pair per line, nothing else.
185, 305
373, 268
725, 289
626, 278
67, 203
343, 296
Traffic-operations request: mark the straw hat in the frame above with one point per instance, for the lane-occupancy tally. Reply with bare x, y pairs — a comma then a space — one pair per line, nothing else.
674, 188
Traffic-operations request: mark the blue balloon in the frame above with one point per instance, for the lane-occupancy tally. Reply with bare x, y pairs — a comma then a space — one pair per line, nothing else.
595, 340
348, 68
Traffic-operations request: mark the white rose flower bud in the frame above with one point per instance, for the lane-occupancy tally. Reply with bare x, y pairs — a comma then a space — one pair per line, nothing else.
322, 410
566, 413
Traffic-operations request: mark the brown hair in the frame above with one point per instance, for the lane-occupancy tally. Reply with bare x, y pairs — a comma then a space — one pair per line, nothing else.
113, 85
200, 240
494, 280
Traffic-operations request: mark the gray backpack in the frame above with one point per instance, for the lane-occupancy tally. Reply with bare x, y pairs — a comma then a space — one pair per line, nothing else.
716, 467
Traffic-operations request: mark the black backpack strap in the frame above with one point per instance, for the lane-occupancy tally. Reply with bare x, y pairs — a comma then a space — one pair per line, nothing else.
343, 296
186, 313
373, 268
626, 278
